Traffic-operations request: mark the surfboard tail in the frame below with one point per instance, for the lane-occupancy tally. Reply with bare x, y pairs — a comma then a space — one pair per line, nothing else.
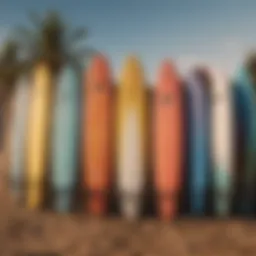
16, 189
34, 197
63, 201
222, 205
130, 206
198, 202
247, 205
223, 193
248, 191
97, 203
167, 206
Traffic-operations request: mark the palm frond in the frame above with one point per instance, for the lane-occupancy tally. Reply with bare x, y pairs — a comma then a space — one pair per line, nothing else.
54, 41
84, 52
24, 32
77, 35
81, 56
25, 37
9, 51
9, 70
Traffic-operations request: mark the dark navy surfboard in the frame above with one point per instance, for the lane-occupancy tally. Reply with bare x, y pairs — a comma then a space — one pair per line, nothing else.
245, 102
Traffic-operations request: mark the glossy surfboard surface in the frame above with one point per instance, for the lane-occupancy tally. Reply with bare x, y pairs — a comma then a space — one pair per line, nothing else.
38, 135
222, 142
131, 138
65, 138
246, 123
18, 136
98, 134
198, 143
168, 140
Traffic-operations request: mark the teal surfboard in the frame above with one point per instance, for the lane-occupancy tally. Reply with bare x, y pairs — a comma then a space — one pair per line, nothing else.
65, 138
18, 136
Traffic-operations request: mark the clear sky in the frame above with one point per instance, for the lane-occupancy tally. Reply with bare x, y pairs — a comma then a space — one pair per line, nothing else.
218, 32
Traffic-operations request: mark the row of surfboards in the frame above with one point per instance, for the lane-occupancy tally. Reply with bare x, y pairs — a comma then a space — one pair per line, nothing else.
185, 130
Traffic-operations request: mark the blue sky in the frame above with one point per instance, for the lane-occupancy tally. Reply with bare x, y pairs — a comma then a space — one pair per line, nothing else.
189, 31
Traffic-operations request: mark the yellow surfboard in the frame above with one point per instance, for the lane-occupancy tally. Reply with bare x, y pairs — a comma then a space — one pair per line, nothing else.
131, 138
38, 134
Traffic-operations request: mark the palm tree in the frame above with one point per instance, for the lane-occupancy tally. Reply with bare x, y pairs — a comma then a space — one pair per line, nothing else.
10, 69
50, 40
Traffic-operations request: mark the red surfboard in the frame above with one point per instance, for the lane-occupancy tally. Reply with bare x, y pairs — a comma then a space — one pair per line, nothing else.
98, 134
168, 140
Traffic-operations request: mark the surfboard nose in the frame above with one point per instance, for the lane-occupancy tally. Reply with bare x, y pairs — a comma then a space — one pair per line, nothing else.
132, 69
99, 68
167, 75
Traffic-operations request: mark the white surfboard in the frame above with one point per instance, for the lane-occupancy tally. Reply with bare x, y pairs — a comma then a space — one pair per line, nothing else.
18, 136
131, 138
222, 141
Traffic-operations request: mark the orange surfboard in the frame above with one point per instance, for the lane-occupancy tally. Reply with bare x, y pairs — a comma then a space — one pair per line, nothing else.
98, 134
168, 140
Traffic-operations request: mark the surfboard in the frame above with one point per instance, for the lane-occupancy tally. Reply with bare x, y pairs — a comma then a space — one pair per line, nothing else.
168, 140
246, 124
98, 134
131, 138
198, 143
222, 142
18, 137
38, 135
65, 138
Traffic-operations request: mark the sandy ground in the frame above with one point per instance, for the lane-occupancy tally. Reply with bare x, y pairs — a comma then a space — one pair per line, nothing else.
23, 232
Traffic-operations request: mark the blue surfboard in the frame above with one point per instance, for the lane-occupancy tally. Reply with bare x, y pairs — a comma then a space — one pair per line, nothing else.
198, 145
245, 102
65, 138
